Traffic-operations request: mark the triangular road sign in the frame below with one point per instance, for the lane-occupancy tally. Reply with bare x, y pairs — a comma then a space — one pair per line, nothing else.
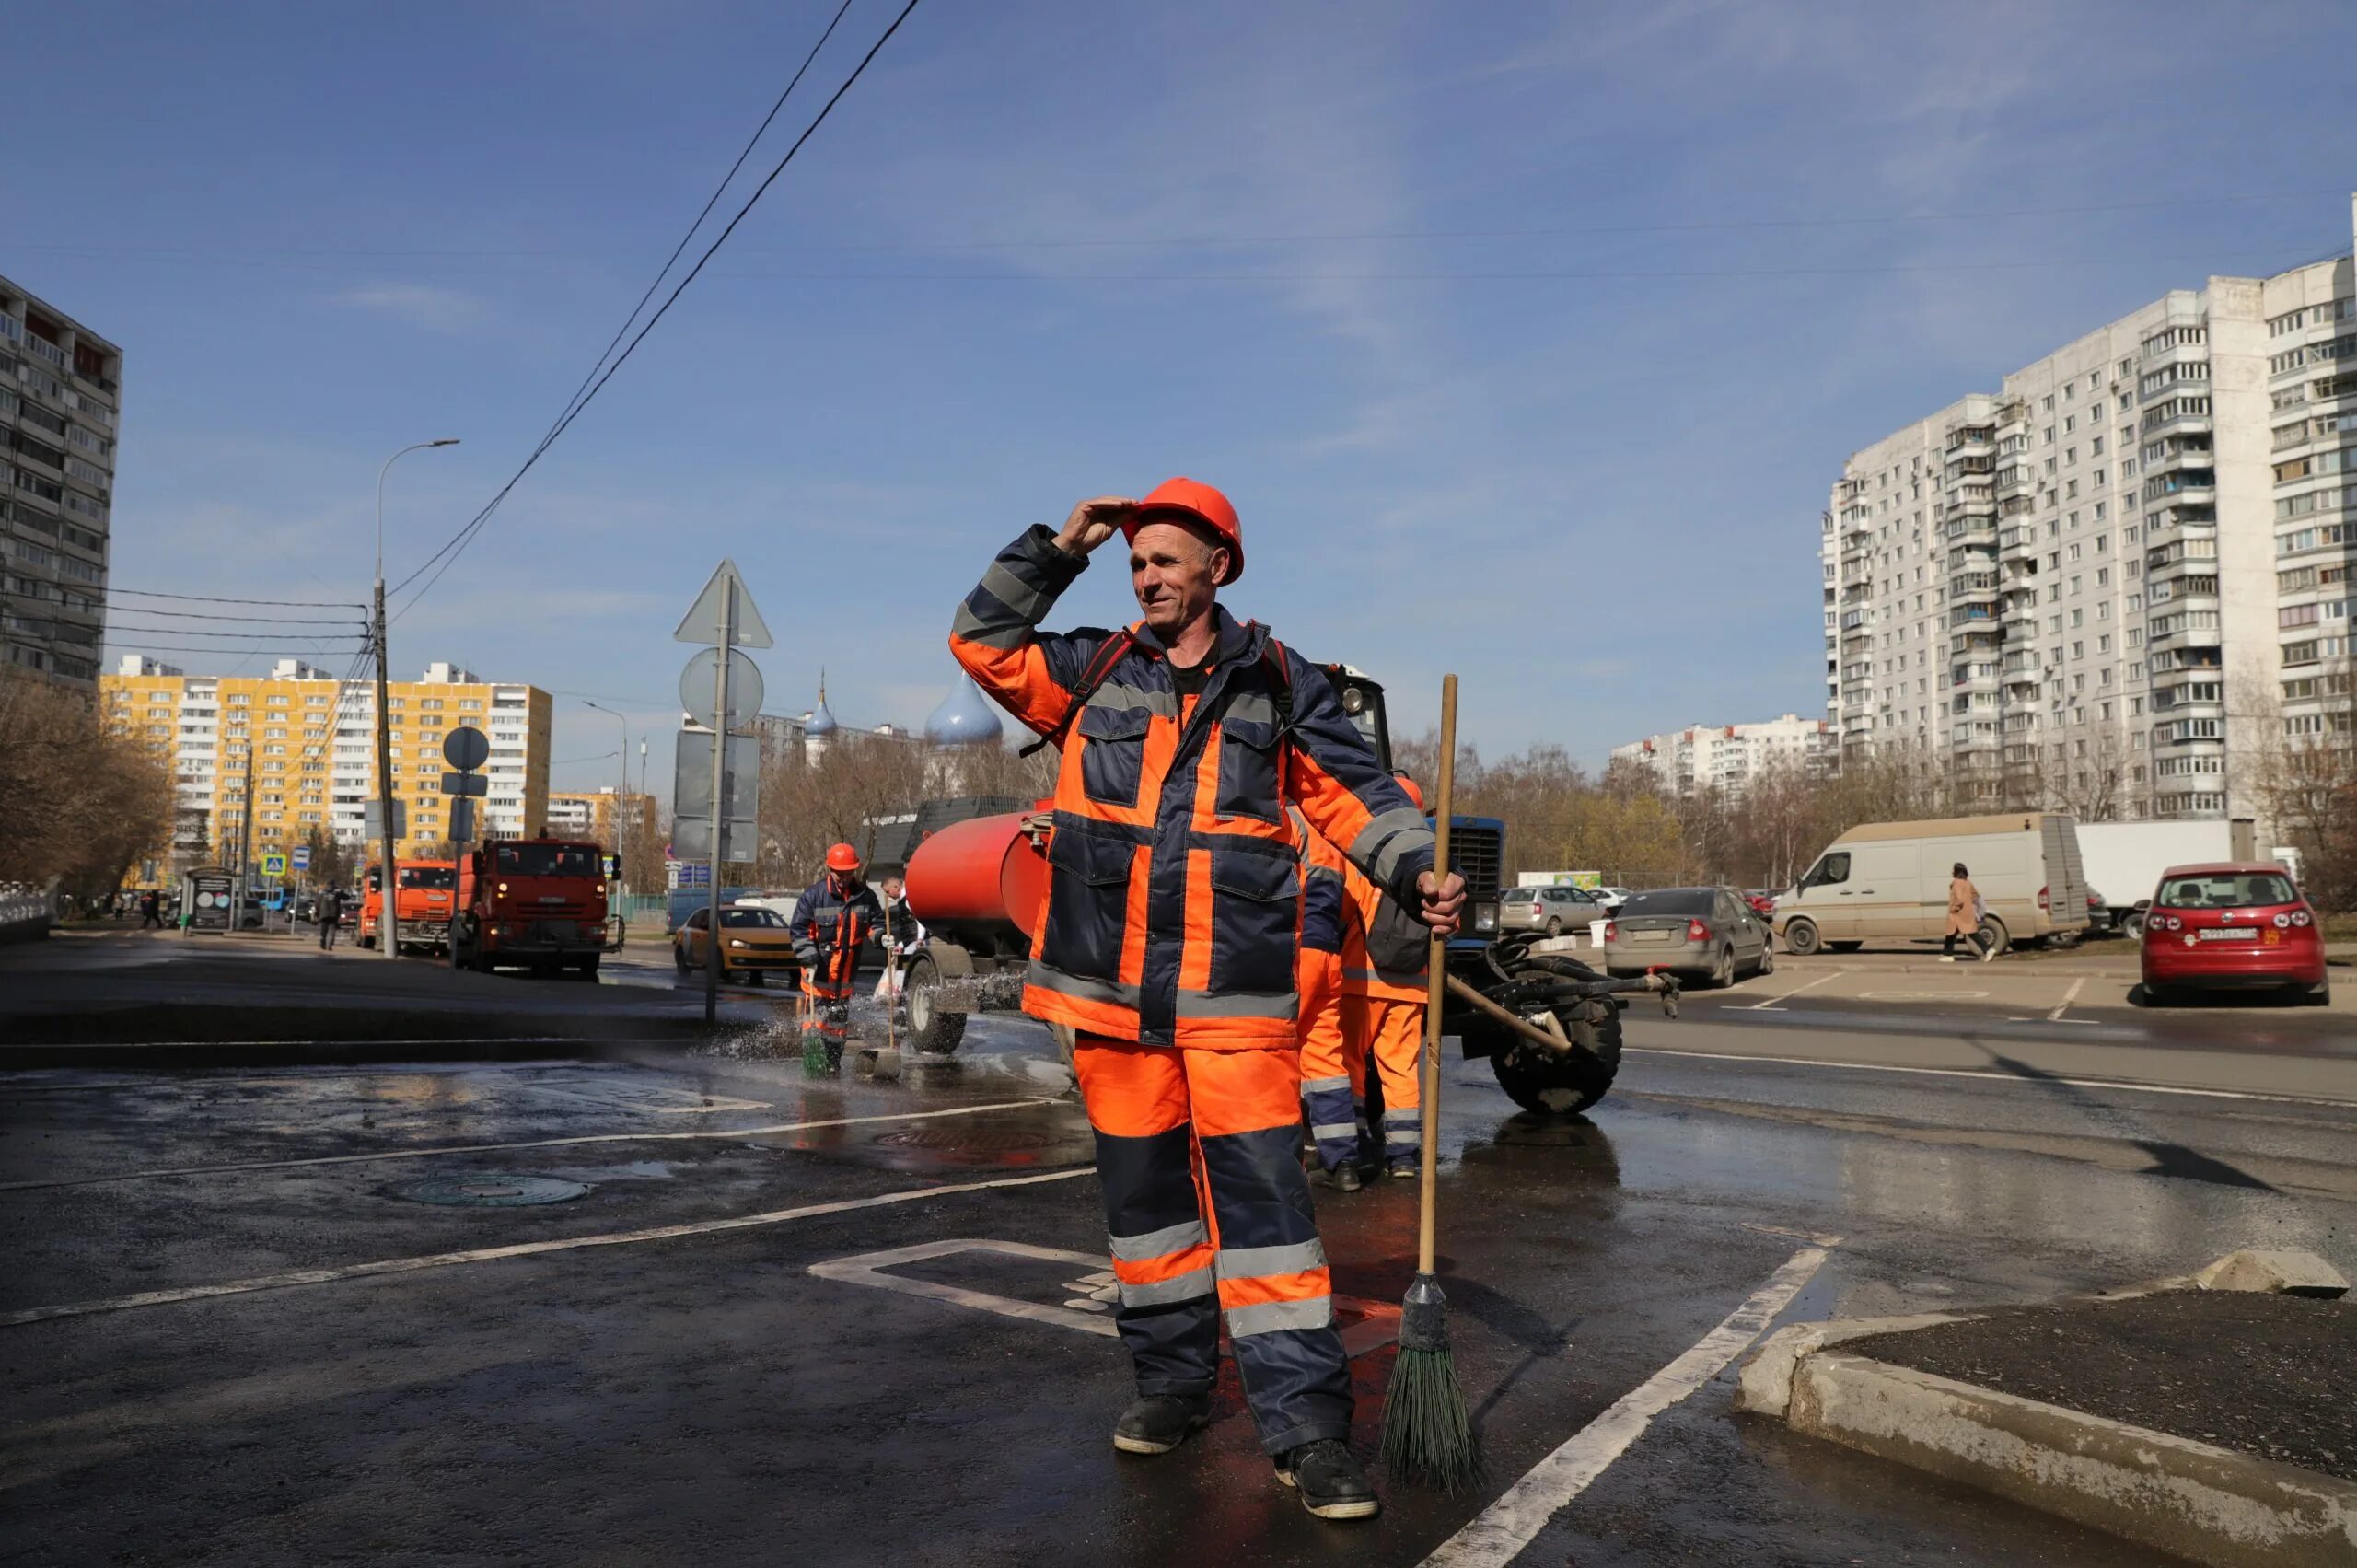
702, 624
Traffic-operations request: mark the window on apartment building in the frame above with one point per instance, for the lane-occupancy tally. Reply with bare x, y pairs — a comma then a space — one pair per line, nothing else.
2070, 423
2049, 403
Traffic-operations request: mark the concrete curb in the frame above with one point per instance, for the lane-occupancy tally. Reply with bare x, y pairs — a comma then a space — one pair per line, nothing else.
2205, 1504
2186, 1498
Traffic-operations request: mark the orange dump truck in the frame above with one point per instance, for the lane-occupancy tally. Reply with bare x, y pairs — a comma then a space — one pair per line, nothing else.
533, 903
422, 897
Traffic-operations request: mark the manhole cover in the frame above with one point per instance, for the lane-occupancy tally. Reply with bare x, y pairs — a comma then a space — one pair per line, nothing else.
966, 1140
494, 1189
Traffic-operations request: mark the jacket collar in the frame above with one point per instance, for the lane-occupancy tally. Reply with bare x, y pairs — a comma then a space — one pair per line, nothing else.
1232, 641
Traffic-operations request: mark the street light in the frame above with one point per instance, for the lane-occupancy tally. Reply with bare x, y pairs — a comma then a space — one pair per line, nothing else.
389, 878
622, 799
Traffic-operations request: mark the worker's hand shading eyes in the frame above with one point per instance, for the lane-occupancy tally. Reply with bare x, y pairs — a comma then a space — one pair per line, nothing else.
1442, 902
1093, 522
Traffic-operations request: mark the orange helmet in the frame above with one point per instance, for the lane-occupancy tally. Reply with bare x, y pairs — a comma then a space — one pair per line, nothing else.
1201, 504
1413, 793
843, 857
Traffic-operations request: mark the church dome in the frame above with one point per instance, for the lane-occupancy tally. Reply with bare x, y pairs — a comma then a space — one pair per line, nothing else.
822, 719
966, 718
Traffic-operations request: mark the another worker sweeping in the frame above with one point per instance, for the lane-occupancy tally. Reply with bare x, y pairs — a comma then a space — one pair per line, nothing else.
1427, 1435
1168, 944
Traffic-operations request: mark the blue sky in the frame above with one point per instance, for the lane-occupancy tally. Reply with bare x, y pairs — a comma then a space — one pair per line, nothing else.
1528, 338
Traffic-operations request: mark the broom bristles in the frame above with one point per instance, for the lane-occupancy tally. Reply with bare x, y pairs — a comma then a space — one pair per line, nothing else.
1428, 1437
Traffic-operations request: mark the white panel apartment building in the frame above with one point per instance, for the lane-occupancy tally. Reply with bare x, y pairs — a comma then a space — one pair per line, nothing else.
59, 390
1727, 757
2109, 585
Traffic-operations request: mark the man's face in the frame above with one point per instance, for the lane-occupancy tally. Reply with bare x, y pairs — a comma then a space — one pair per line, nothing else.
1173, 570
891, 885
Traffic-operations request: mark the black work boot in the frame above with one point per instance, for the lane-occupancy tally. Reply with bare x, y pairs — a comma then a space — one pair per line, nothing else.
1156, 1423
1332, 1485
1343, 1177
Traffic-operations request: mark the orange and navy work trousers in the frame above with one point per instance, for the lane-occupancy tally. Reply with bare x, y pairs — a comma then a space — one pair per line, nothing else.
1208, 1210
831, 994
1333, 1064
1391, 1037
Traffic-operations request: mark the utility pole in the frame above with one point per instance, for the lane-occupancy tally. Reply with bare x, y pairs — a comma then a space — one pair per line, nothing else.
387, 927
621, 828
244, 843
720, 729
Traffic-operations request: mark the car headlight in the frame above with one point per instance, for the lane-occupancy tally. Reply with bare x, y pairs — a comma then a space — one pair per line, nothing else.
1486, 917
738, 942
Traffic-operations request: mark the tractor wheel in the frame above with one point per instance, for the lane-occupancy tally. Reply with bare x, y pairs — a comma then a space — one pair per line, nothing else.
931, 1031
1800, 938
1547, 1082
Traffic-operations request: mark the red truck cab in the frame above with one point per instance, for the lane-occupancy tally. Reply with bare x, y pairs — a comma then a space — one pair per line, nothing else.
422, 903
533, 903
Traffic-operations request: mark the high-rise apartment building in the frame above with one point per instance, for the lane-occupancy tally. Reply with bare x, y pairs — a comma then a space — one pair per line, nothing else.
1727, 757
263, 760
2113, 584
60, 388
605, 815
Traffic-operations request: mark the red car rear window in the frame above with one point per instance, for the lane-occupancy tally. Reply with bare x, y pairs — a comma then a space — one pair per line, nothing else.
2227, 890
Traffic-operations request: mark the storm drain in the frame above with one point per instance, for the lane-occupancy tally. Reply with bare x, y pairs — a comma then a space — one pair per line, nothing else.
970, 1141
492, 1190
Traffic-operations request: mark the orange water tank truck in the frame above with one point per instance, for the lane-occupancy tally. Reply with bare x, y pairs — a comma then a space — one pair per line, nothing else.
421, 901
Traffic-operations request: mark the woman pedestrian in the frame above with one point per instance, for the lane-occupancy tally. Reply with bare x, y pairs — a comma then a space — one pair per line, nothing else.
1965, 910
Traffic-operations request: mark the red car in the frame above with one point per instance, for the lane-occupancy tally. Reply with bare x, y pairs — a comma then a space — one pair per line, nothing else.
2232, 924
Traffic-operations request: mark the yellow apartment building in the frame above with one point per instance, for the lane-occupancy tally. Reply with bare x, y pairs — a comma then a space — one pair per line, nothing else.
295, 750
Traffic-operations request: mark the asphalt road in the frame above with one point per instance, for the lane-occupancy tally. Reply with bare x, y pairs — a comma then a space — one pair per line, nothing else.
234, 1337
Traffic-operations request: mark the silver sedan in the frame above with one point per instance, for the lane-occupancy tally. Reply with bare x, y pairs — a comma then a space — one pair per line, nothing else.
1709, 933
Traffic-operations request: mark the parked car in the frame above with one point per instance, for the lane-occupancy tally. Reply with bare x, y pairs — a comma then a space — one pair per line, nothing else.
1609, 898
755, 941
1553, 910
1762, 901
2229, 925
1709, 933
1889, 881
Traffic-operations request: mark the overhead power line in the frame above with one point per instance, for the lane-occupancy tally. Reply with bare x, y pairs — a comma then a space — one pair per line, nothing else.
441, 560
257, 620
210, 598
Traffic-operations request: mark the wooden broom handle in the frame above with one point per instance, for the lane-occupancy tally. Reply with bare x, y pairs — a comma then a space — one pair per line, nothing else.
1436, 981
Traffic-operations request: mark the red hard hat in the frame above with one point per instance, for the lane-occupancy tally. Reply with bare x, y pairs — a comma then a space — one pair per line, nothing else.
843, 857
1413, 793
1202, 504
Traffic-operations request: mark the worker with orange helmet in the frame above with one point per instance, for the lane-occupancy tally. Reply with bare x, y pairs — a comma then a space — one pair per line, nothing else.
1333, 1076
1383, 963
834, 916
1168, 943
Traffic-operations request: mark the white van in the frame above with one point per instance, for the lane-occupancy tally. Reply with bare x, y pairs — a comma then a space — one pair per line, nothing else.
1888, 882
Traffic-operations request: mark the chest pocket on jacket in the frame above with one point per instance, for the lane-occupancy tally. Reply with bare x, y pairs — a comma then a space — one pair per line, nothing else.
1113, 753
1247, 771
1256, 899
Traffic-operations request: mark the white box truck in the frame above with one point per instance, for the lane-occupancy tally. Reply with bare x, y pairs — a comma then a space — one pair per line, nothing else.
2124, 860
1887, 882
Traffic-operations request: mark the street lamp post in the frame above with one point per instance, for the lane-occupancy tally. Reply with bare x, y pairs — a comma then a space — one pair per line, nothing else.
621, 800
388, 928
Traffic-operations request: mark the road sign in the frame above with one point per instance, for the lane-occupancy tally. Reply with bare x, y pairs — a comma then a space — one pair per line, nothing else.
465, 784
693, 874
462, 821
302, 858
465, 748
274, 865
373, 818
746, 688
613, 864
692, 789
703, 621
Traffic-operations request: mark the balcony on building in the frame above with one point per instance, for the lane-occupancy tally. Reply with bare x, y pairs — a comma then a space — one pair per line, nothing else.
1970, 440
2190, 484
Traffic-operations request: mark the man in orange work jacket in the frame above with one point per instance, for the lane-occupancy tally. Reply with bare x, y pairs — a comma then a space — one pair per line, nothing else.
1168, 944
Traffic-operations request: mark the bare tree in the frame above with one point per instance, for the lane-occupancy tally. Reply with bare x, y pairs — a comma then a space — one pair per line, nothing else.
79, 803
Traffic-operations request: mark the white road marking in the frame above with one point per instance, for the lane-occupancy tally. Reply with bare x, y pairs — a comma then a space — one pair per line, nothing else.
1774, 1002
521, 1249
2068, 997
1377, 1322
1499, 1532
703, 1133
1988, 1078
1921, 996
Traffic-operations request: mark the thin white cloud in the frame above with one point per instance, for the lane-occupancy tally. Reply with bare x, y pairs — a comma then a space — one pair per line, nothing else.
420, 304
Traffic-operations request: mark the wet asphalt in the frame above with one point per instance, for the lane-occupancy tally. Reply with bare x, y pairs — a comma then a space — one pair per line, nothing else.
618, 1395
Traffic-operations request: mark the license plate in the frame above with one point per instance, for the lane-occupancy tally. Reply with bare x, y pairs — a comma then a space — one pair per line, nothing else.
1642, 936
556, 900
2229, 934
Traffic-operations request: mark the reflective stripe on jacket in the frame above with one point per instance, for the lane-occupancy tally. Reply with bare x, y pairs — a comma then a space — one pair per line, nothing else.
1174, 898
828, 925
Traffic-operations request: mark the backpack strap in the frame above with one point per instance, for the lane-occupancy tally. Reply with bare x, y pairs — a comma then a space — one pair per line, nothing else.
1110, 651
1272, 654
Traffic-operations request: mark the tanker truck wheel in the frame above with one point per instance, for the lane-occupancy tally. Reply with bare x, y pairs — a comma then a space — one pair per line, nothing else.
1547, 1082
931, 1030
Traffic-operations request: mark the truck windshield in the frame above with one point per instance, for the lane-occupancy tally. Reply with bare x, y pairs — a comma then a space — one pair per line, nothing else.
429, 877
547, 860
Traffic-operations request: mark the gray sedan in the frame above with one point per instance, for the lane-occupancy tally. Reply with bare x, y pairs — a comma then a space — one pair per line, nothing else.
1707, 932
1553, 910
